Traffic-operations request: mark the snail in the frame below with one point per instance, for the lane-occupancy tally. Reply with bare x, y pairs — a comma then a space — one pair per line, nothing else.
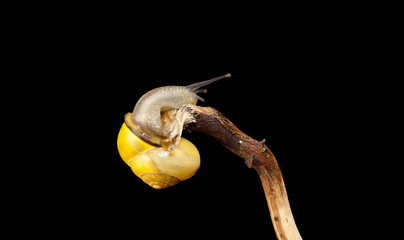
161, 159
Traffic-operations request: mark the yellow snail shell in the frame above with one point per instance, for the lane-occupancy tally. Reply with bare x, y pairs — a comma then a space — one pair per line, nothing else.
155, 166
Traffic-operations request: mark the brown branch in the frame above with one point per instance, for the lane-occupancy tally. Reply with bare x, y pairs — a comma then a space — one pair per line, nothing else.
256, 155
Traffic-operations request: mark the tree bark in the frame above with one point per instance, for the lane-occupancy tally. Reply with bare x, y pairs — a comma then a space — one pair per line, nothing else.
256, 155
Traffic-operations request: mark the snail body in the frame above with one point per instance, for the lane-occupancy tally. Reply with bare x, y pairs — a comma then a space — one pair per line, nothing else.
147, 112
141, 138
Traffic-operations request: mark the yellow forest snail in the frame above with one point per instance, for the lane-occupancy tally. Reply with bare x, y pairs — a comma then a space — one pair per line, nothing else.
159, 158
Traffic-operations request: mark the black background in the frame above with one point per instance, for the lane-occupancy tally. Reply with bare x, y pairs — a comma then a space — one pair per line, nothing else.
291, 80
